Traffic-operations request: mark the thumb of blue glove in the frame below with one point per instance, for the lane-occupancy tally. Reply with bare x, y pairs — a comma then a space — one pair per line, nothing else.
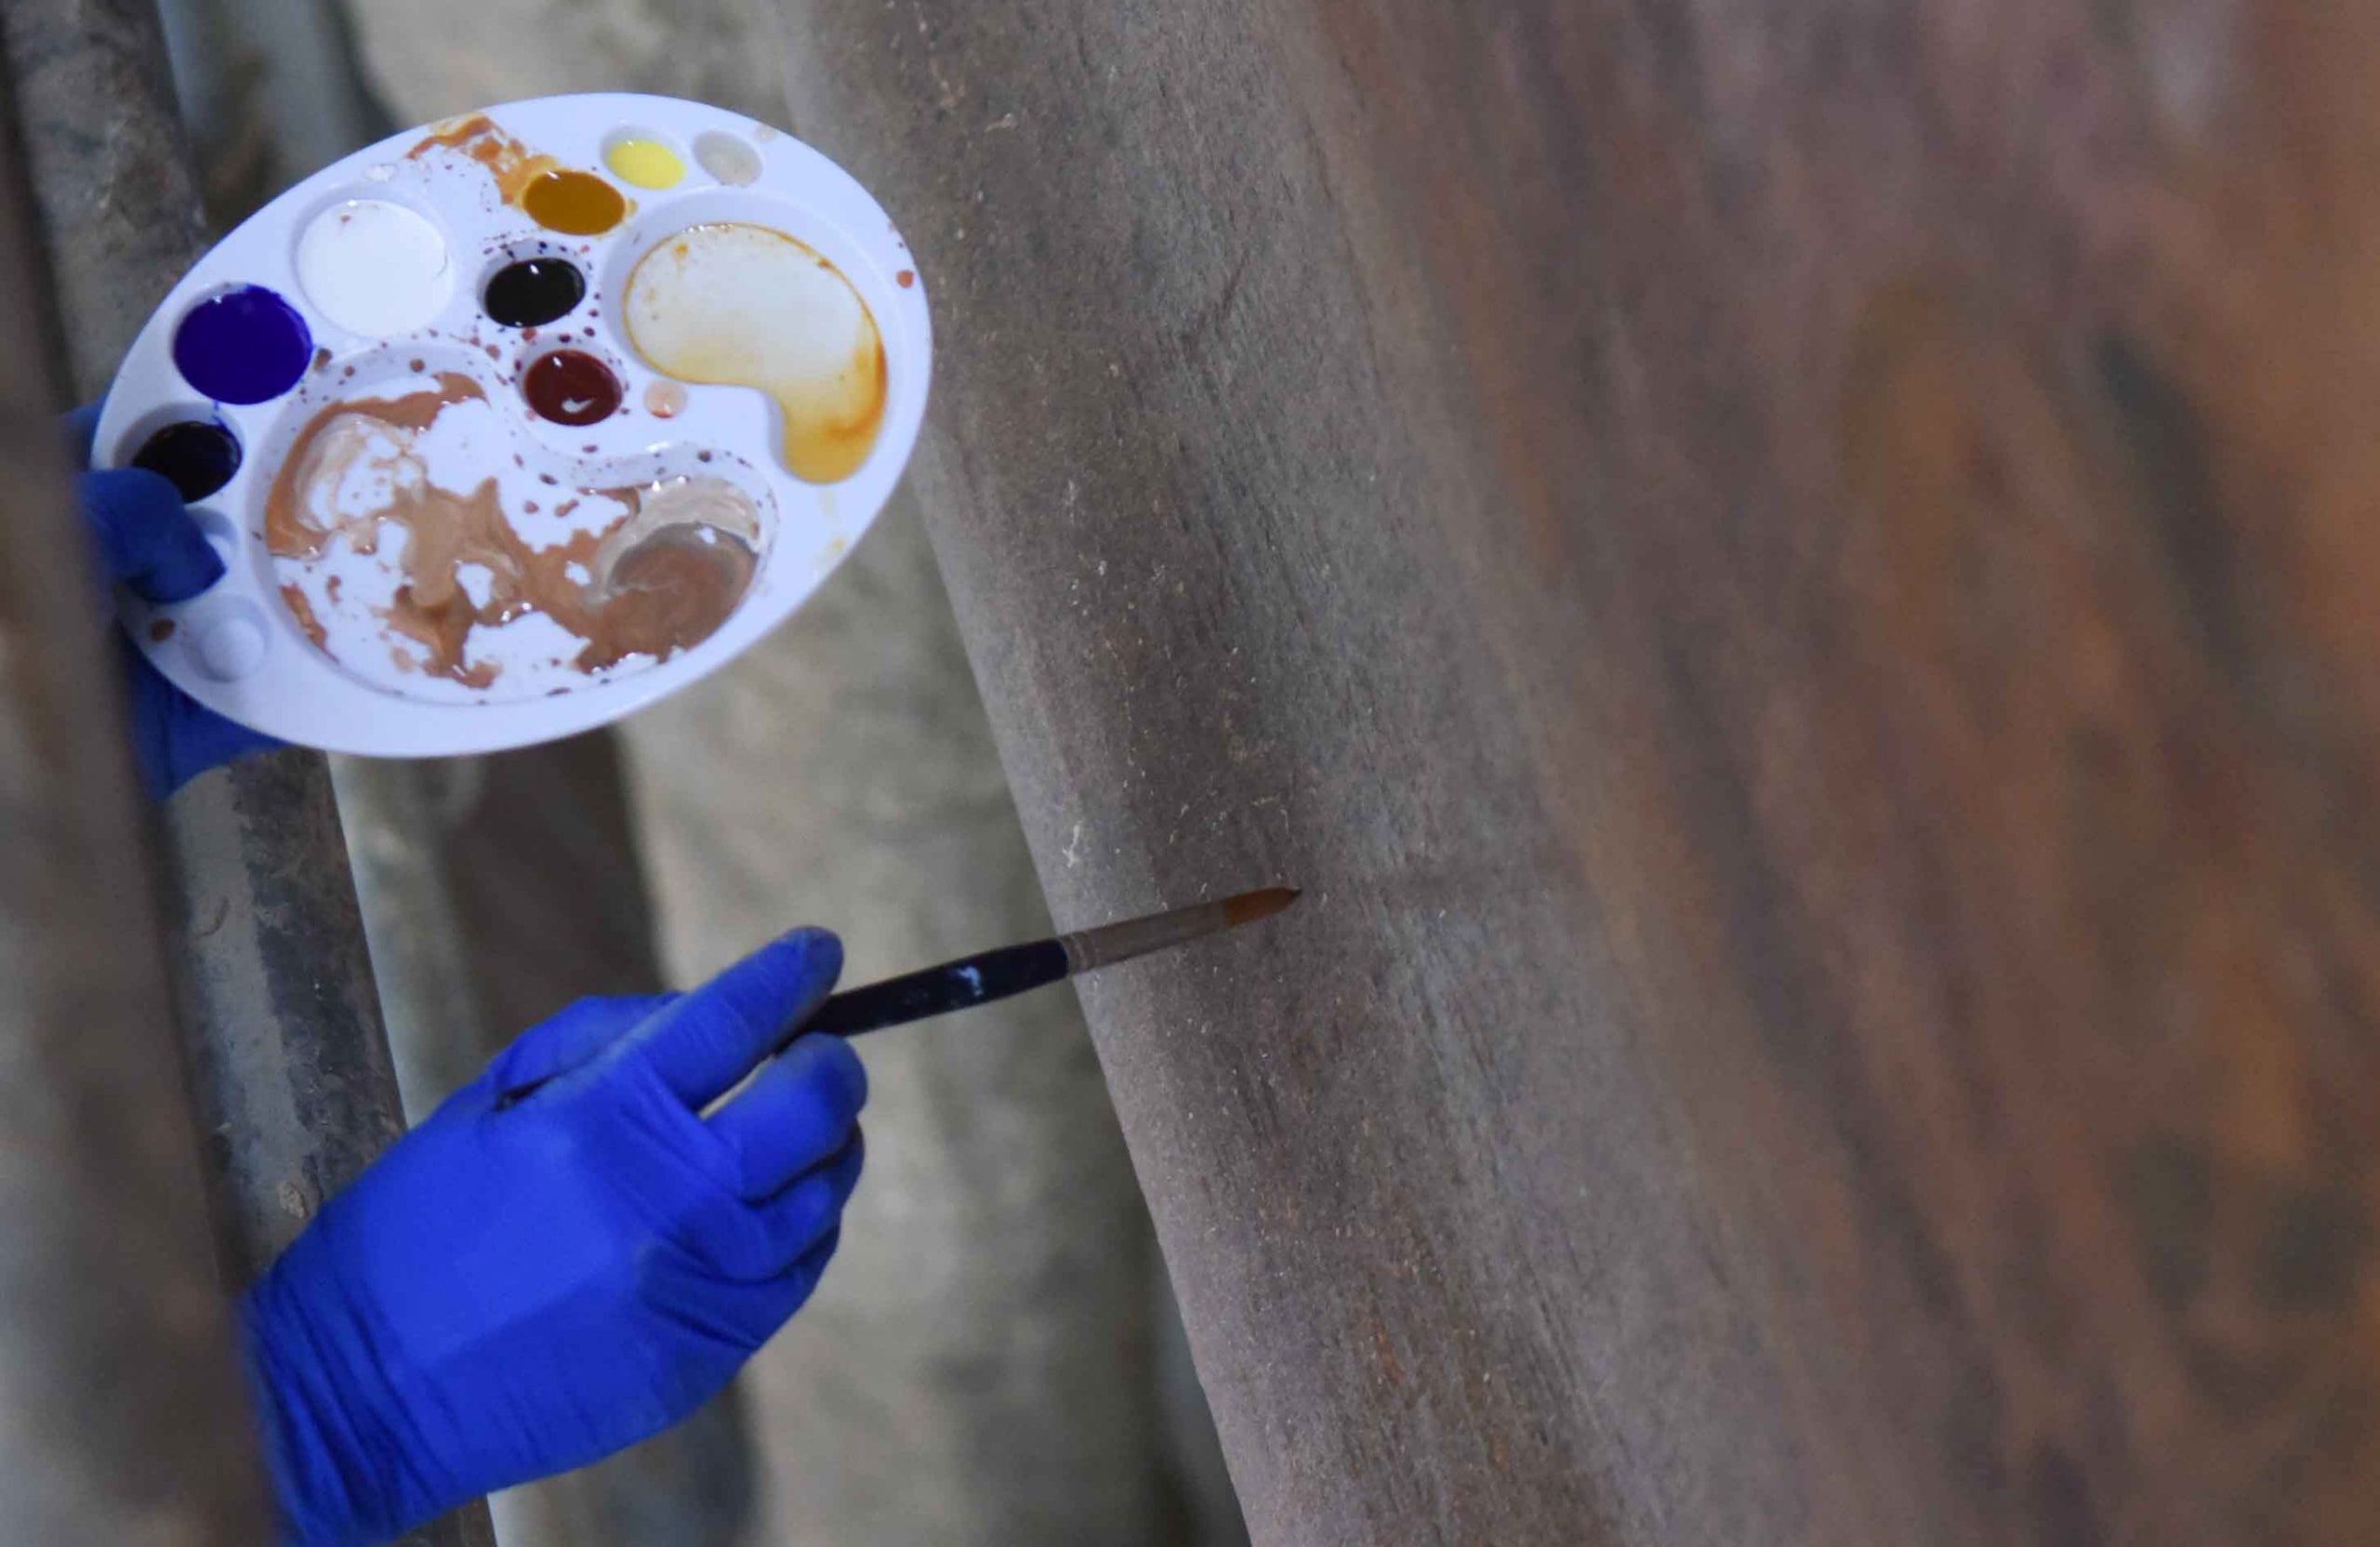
516, 1290
147, 542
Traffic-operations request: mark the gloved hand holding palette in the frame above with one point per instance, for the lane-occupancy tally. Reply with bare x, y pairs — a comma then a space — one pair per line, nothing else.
512, 425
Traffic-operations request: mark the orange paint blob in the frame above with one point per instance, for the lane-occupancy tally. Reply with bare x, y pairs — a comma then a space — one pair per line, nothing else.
513, 165
576, 204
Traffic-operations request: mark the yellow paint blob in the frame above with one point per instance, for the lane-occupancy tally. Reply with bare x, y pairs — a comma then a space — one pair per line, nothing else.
737, 305
645, 163
576, 204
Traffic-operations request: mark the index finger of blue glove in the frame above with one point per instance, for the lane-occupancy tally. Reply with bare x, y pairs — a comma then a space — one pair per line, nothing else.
797, 1112
572, 1036
710, 1039
146, 536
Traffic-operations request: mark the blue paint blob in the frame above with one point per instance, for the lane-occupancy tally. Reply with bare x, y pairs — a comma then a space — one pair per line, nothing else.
246, 345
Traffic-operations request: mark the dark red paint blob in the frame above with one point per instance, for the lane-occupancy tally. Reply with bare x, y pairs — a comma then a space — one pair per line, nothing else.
572, 387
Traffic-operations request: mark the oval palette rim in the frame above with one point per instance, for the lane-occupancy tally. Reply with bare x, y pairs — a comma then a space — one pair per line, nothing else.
309, 699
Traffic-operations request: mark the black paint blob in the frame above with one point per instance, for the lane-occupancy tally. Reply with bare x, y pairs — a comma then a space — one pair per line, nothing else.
534, 292
197, 456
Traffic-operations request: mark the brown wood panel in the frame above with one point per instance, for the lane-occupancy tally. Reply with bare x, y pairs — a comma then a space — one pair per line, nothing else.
1796, 583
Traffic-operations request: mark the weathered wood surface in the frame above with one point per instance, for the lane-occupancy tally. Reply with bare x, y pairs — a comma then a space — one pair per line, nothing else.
117, 1363
282, 1038
1797, 584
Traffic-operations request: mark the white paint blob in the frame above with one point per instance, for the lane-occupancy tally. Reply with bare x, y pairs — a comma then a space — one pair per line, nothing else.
728, 158
374, 268
230, 647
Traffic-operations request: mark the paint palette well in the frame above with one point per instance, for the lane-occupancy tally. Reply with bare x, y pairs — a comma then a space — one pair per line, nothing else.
508, 426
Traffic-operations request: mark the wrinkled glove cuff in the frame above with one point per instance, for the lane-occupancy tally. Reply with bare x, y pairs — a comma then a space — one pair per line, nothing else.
336, 1480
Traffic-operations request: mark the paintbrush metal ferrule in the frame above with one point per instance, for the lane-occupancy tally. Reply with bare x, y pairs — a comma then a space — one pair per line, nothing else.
1090, 950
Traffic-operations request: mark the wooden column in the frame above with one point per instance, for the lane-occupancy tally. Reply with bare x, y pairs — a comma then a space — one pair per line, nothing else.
1800, 587
121, 1415
284, 1049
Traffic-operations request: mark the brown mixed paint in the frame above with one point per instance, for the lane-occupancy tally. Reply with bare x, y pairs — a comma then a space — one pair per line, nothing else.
658, 581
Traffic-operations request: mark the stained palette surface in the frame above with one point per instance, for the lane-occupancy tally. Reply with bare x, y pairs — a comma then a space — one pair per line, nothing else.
512, 424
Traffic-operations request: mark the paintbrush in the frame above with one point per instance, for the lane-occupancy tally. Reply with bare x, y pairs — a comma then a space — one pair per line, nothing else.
1012, 970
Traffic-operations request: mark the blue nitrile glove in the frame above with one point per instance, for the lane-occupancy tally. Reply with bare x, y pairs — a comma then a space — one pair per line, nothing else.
146, 541
510, 1293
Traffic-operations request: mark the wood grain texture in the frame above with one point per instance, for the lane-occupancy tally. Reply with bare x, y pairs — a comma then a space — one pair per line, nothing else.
285, 1054
1795, 586
117, 1363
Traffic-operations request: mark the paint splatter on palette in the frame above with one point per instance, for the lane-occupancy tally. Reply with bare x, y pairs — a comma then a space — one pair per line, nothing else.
512, 424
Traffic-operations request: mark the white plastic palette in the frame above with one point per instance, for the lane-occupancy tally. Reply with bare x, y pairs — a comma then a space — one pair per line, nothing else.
411, 401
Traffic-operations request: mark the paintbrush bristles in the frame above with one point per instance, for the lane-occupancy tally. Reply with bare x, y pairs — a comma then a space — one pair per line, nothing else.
1248, 906
1113, 943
